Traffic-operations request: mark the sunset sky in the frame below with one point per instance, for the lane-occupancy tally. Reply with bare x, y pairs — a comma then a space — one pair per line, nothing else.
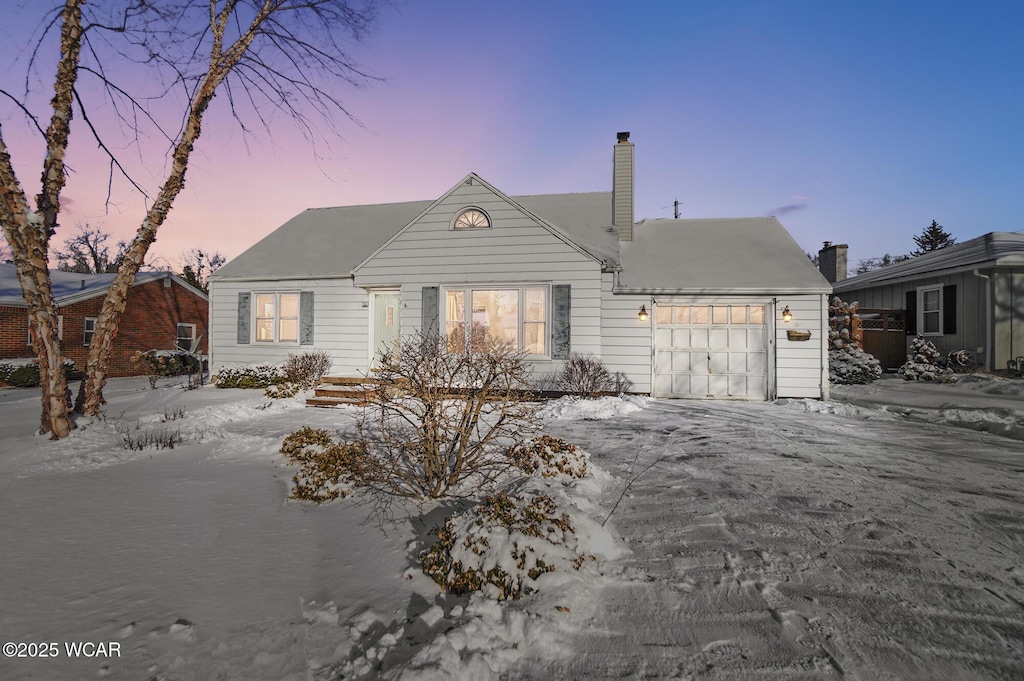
852, 122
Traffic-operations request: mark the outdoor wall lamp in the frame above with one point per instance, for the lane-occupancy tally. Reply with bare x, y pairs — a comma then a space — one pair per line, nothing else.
643, 313
787, 316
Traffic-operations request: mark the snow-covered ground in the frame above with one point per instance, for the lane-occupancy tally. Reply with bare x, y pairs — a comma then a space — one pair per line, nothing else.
878, 536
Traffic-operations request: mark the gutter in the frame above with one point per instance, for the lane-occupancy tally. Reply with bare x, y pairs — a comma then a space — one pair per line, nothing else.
988, 317
841, 286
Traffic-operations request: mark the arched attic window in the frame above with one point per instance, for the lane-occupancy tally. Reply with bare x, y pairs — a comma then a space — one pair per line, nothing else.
471, 218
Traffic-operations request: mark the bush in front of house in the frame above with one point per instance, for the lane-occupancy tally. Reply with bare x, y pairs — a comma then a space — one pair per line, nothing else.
923, 363
26, 374
324, 464
847, 361
502, 546
306, 370
251, 377
549, 457
584, 376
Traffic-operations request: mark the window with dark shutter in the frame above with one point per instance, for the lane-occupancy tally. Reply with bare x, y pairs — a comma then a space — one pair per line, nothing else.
911, 321
306, 318
561, 310
949, 309
244, 300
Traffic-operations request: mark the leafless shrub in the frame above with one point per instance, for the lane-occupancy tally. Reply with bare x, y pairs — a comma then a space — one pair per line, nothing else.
584, 376
135, 438
307, 370
323, 464
438, 420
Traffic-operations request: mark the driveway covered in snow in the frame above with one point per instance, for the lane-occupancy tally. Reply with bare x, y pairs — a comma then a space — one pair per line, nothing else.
794, 540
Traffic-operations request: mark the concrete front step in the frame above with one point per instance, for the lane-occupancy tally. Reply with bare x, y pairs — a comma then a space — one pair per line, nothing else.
328, 402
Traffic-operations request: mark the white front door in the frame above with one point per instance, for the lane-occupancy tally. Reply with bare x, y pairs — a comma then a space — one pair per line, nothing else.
711, 351
385, 312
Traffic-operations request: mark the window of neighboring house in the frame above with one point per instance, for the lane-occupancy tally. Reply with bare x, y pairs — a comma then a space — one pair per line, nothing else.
90, 328
929, 310
60, 329
277, 317
516, 315
186, 337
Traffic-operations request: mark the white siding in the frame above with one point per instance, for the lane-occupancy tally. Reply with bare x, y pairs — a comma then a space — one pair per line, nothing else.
625, 340
802, 366
340, 325
516, 250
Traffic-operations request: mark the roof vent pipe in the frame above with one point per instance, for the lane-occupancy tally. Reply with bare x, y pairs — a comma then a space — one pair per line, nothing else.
83, 284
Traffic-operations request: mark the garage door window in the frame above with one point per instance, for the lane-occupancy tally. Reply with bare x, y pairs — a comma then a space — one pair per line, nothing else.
700, 315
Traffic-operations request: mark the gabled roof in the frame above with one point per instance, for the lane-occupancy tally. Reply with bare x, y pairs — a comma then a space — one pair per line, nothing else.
473, 178
716, 256
728, 256
332, 242
72, 287
991, 250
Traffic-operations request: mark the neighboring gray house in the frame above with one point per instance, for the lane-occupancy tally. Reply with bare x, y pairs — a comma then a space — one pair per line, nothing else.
966, 296
682, 308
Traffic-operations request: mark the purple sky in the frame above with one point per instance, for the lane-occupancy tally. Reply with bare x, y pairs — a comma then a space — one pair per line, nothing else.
853, 122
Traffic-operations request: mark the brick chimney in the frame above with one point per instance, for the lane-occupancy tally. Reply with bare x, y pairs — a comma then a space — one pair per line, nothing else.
832, 261
622, 187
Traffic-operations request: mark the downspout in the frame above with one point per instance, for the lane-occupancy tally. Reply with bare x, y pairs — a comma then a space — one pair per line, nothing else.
988, 318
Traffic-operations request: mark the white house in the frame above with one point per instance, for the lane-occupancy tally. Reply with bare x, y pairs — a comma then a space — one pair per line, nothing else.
682, 308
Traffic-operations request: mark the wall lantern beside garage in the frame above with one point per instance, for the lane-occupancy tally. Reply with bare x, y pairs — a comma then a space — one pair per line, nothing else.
787, 316
643, 313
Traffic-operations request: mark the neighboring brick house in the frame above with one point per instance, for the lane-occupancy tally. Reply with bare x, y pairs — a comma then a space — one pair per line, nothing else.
163, 312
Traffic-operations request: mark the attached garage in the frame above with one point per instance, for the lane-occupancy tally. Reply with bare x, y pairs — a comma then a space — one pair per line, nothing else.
711, 351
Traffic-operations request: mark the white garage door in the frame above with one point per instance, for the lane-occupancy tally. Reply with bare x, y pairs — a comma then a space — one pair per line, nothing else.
718, 351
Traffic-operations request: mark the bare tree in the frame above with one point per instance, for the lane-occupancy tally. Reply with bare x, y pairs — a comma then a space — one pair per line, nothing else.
197, 265
264, 53
87, 253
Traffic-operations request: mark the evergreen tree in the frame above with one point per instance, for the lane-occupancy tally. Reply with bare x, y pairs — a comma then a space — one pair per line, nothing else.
932, 238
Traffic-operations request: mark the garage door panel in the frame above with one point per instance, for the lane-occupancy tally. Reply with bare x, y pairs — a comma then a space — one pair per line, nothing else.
699, 361
681, 338
719, 338
757, 362
691, 384
738, 362
663, 338
681, 361
699, 338
718, 385
738, 386
719, 363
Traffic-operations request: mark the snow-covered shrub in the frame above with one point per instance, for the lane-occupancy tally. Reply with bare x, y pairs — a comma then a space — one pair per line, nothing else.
306, 370
923, 363
847, 362
584, 376
441, 417
502, 546
25, 373
549, 457
260, 376
280, 391
324, 464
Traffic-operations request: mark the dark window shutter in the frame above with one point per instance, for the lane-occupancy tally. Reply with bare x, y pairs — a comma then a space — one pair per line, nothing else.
306, 318
949, 309
911, 321
561, 308
429, 321
243, 317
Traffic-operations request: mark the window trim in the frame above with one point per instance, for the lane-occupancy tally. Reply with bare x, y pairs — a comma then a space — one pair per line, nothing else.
88, 333
521, 311
178, 336
254, 317
921, 312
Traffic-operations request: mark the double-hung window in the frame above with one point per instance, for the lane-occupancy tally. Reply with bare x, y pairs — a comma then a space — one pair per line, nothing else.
518, 316
89, 328
277, 317
186, 337
930, 310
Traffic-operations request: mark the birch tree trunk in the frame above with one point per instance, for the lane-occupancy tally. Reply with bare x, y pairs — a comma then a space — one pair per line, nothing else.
221, 63
28, 232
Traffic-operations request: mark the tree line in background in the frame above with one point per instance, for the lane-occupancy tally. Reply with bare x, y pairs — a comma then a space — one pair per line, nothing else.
933, 238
